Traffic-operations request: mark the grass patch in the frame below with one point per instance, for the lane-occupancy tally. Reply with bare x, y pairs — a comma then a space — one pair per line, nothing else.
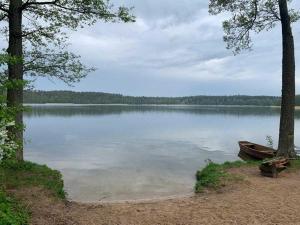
11, 212
294, 165
238, 164
215, 175
15, 175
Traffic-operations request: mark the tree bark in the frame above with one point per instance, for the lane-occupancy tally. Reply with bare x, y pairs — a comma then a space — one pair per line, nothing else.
286, 131
15, 73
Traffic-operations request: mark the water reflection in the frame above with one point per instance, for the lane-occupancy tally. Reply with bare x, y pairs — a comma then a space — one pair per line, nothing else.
133, 152
90, 110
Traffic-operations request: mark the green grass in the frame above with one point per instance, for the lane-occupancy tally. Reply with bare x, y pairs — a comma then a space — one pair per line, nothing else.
295, 165
215, 175
15, 175
11, 212
238, 164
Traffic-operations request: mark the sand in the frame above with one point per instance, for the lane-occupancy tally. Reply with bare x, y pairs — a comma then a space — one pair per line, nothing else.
255, 200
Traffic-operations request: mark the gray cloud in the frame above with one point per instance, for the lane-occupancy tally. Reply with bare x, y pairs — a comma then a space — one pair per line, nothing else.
175, 48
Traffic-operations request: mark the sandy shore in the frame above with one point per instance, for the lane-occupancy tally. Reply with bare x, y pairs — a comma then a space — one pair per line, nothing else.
256, 200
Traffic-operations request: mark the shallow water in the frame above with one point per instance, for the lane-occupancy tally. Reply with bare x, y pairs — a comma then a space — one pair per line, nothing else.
115, 152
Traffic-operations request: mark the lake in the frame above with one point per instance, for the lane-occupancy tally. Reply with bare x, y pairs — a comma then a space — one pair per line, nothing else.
122, 152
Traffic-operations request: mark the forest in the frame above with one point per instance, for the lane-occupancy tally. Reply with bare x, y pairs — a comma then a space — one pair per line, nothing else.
42, 97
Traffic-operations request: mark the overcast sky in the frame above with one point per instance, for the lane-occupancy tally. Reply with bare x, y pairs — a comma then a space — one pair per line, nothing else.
175, 48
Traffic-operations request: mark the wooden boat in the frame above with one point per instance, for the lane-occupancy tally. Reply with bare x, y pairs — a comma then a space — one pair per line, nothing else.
244, 156
254, 151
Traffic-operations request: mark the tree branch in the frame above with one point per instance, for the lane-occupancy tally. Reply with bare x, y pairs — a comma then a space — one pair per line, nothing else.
39, 30
3, 8
3, 17
75, 10
28, 3
252, 22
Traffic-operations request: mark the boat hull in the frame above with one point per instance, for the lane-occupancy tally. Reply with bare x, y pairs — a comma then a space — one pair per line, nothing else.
254, 151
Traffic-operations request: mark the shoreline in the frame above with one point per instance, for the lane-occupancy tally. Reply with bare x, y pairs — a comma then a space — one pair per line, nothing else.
164, 105
242, 203
179, 105
241, 198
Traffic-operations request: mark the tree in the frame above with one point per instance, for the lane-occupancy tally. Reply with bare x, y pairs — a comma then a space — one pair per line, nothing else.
254, 16
36, 33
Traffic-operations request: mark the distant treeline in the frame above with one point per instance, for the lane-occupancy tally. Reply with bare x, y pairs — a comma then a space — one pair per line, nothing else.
105, 98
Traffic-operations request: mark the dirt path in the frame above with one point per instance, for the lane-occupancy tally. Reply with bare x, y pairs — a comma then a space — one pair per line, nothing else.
257, 200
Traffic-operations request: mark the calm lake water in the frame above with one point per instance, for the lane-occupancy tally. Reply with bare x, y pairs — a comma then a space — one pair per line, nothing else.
113, 152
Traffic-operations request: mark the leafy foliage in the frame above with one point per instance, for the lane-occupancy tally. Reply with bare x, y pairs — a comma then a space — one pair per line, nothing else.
63, 65
246, 17
45, 37
11, 212
270, 142
7, 145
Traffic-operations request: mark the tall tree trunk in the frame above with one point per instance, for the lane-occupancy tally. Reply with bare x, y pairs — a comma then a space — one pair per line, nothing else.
286, 130
15, 72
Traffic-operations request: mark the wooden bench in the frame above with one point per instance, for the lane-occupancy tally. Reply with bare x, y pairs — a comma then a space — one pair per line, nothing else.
272, 167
